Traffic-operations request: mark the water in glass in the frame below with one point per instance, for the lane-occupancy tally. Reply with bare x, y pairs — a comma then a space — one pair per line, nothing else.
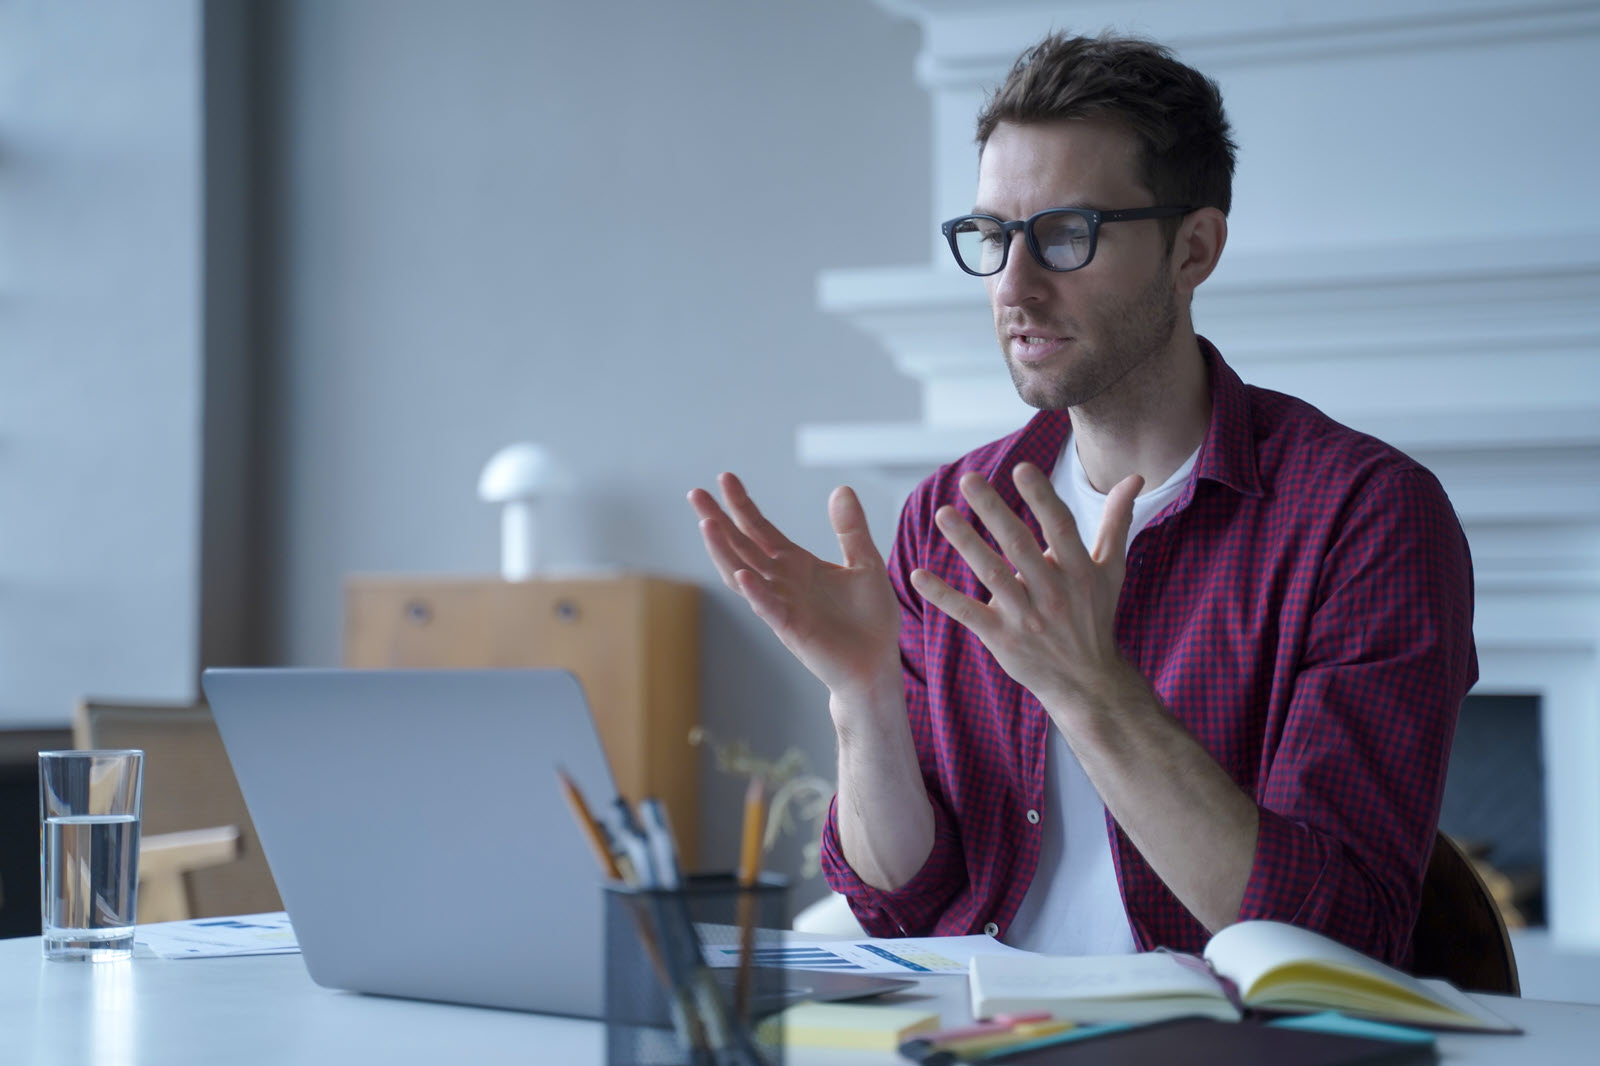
91, 864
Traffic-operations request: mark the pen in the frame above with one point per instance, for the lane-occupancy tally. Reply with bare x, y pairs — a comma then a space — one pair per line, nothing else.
755, 819
598, 838
628, 869
954, 1045
1029, 1043
631, 838
1005, 1042
646, 839
1000, 1023
663, 849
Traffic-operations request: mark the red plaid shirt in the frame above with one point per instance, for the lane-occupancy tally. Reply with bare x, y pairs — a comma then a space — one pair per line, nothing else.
1304, 608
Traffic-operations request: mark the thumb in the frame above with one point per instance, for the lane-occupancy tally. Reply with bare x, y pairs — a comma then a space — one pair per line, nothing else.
850, 526
1111, 544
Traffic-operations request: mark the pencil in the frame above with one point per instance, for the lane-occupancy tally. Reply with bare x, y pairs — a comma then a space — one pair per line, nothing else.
755, 820
591, 828
689, 1028
755, 824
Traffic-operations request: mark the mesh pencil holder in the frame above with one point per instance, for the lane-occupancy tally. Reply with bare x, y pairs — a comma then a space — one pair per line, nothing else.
675, 994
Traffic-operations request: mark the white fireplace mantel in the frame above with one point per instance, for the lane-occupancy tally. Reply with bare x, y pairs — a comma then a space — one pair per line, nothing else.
1414, 248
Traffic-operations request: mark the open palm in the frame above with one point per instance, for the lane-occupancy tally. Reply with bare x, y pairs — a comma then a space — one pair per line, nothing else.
841, 621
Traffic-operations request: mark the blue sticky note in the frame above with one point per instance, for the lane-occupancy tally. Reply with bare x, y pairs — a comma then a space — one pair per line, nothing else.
1334, 1022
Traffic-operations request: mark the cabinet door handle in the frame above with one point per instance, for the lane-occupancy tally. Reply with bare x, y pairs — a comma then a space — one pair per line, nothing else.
418, 612
567, 610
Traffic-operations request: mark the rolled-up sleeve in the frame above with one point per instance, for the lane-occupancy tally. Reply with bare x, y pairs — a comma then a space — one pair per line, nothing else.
1353, 777
914, 907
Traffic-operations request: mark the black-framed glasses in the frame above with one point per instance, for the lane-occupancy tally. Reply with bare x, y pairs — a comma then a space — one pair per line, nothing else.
1061, 238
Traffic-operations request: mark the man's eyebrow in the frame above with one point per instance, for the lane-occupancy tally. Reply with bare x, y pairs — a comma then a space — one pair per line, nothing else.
1079, 205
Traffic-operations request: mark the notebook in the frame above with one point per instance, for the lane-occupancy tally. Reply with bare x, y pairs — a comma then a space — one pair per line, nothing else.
1262, 965
418, 835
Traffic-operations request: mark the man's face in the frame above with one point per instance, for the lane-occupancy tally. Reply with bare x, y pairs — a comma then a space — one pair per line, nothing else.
1069, 338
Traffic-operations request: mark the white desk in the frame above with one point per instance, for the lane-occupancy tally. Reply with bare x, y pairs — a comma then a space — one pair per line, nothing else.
265, 1010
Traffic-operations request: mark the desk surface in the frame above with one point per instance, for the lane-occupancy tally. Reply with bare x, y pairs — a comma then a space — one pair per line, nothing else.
266, 1009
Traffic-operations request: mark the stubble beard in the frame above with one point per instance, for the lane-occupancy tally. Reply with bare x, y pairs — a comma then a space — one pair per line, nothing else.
1134, 331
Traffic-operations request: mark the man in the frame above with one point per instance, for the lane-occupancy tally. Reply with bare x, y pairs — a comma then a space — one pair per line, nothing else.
1178, 653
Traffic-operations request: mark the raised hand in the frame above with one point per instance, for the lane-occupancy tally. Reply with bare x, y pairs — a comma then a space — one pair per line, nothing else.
1050, 620
841, 621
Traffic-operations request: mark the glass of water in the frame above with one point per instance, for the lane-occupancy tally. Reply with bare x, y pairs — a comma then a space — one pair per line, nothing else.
89, 855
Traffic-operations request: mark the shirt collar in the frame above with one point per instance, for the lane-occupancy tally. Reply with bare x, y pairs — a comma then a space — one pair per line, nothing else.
1228, 454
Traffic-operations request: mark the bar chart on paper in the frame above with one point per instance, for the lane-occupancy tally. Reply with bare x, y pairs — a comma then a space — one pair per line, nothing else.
205, 938
904, 956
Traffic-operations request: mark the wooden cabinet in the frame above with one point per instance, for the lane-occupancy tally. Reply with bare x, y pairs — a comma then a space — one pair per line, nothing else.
633, 641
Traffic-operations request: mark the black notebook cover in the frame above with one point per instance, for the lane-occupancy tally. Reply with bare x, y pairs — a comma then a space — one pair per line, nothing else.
1183, 1041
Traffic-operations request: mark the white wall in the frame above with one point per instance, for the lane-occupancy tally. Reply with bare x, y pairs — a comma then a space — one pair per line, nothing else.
596, 226
100, 353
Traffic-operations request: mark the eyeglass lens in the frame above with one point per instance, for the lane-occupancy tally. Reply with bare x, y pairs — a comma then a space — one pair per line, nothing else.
1063, 239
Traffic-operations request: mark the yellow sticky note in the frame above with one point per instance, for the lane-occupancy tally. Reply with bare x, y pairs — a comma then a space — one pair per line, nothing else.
865, 1026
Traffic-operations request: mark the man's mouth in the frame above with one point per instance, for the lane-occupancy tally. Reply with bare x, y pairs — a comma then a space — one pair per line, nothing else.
1034, 347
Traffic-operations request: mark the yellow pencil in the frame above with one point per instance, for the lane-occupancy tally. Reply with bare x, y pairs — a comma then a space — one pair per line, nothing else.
591, 828
755, 824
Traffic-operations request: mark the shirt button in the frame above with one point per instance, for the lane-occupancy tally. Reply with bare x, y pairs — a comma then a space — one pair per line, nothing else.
991, 930
1033, 817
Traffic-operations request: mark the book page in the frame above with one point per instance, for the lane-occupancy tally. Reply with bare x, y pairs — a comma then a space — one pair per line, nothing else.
1279, 966
1247, 952
1089, 977
1101, 988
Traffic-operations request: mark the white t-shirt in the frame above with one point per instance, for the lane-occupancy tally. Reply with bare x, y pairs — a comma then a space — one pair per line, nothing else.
1073, 906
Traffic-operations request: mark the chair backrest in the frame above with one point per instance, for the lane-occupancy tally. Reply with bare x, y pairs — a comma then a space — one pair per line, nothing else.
188, 784
1460, 933
168, 860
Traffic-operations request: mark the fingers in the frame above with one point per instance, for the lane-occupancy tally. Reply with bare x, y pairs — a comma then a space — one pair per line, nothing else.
1025, 570
742, 535
723, 557
762, 598
1055, 519
993, 571
1013, 535
703, 503
749, 518
730, 550
965, 610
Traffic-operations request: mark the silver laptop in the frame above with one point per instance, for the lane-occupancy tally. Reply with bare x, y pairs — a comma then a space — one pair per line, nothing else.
414, 823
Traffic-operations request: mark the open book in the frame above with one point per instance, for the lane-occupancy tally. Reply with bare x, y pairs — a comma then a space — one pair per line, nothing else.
1260, 965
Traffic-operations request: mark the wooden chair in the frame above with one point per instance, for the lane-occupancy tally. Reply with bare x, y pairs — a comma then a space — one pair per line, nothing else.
190, 790
166, 860
1460, 933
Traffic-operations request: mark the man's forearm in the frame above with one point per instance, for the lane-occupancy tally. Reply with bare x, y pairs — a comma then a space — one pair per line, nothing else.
1187, 817
884, 814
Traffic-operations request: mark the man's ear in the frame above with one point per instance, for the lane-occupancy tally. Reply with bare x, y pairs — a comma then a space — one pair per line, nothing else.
1198, 247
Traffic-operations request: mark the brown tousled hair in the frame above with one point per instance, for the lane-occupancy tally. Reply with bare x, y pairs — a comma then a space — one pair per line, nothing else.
1185, 155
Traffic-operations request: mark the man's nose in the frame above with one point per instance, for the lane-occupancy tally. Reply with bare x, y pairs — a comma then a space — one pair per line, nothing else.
1022, 278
